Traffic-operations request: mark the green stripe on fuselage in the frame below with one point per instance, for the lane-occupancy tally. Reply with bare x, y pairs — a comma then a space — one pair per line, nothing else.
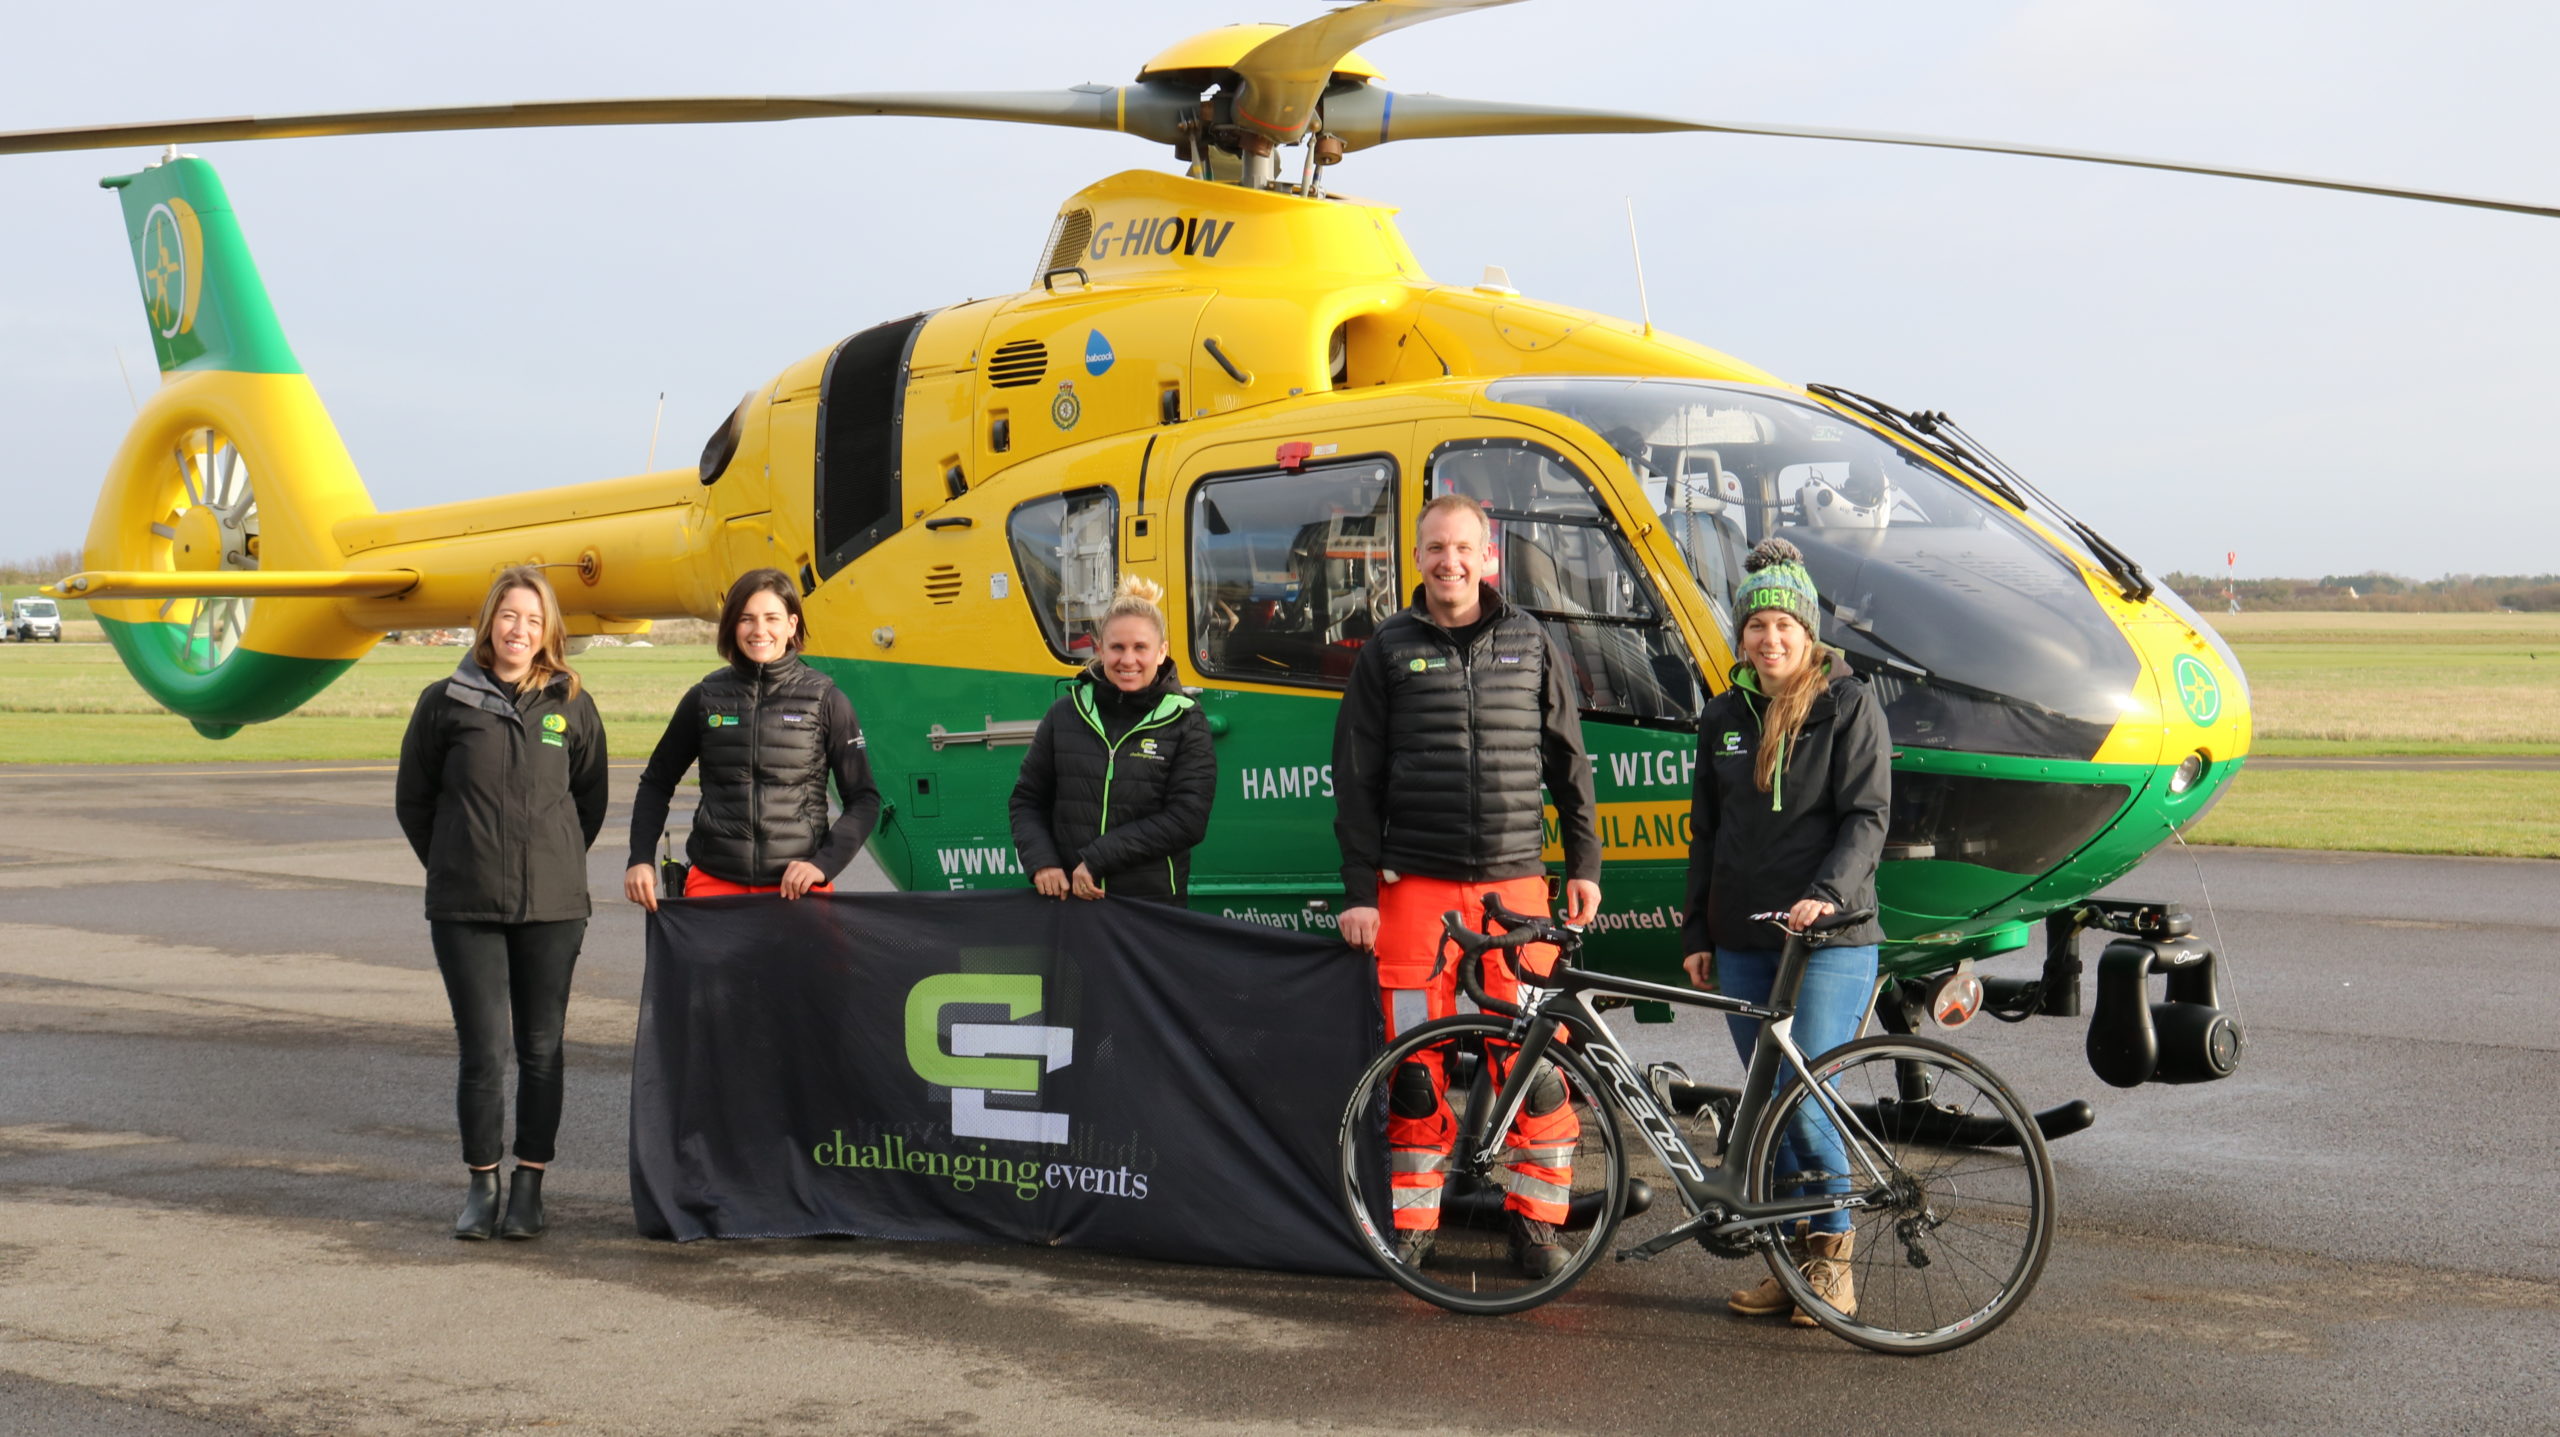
1271, 852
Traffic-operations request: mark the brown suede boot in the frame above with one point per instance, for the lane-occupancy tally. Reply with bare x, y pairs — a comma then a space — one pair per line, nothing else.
1826, 1267
1768, 1299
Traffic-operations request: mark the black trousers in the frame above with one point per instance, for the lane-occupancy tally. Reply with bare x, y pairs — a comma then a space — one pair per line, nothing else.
502, 977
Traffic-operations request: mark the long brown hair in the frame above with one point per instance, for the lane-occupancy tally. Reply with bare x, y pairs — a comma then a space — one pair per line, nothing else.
1787, 708
550, 660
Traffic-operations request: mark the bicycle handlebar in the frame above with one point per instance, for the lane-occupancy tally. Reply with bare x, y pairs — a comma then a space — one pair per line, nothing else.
1828, 923
1520, 930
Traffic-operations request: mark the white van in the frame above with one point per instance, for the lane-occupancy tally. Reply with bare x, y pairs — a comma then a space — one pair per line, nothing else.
31, 619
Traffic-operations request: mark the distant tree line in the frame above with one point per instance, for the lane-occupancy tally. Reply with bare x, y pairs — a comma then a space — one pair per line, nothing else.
42, 569
2378, 593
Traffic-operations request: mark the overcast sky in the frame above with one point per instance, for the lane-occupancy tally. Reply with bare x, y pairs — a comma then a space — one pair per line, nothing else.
2324, 383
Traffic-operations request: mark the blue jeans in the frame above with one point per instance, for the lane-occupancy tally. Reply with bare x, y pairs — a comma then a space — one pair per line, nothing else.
1830, 1007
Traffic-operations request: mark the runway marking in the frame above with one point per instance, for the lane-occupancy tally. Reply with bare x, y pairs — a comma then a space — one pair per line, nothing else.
292, 1322
1154, 1315
68, 1138
306, 986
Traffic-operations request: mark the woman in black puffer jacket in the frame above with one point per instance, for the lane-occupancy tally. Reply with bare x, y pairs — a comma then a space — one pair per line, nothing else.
1116, 790
769, 731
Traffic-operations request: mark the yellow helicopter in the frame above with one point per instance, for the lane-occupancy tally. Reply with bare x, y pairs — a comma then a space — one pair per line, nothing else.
1241, 383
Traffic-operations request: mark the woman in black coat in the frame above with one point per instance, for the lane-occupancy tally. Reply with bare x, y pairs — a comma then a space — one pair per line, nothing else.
1116, 789
1794, 789
501, 792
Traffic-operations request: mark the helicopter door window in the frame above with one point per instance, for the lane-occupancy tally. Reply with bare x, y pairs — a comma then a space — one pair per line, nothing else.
1066, 548
1292, 570
1562, 560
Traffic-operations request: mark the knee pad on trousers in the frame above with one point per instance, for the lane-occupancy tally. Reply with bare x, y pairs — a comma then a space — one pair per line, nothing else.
1412, 1095
1546, 1091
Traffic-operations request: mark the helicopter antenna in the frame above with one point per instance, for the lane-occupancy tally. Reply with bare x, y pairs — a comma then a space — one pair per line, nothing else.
1644, 306
128, 380
652, 466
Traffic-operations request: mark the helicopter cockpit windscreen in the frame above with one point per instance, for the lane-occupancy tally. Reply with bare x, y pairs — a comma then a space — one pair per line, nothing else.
1975, 633
1562, 560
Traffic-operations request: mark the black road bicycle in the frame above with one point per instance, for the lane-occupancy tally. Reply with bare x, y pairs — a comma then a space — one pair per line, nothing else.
1942, 1171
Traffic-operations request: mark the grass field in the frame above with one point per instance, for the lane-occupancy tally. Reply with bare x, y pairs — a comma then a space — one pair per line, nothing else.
2321, 684
2482, 813
2361, 684
72, 703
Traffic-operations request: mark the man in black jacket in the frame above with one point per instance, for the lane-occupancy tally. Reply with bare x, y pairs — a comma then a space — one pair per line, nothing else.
1457, 710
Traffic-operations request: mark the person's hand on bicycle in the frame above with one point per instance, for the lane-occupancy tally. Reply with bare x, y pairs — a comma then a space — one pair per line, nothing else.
1808, 911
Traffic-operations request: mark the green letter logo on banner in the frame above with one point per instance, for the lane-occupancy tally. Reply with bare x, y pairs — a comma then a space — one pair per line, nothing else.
1020, 995
988, 1057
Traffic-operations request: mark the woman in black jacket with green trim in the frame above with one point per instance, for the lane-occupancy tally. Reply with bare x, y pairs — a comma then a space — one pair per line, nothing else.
1116, 790
501, 792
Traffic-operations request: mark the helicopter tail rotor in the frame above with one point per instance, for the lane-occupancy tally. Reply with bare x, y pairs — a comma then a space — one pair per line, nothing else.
226, 488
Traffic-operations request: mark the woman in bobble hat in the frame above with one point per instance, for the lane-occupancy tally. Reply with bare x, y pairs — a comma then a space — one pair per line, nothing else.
1794, 780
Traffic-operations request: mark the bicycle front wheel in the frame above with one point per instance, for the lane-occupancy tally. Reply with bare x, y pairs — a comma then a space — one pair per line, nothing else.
1951, 1194
1475, 1235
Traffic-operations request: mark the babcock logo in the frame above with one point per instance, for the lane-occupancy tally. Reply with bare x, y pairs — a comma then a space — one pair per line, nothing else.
988, 1058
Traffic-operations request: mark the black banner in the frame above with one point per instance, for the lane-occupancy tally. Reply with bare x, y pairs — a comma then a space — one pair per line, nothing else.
976, 1066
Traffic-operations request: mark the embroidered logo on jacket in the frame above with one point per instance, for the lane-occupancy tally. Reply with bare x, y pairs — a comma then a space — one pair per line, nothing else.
1732, 741
556, 723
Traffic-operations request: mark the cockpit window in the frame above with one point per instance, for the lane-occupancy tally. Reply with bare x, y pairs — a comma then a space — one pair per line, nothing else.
1562, 560
1974, 631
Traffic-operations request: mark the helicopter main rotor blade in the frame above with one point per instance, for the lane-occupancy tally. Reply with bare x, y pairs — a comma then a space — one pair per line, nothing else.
1372, 116
1285, 75
1149, 111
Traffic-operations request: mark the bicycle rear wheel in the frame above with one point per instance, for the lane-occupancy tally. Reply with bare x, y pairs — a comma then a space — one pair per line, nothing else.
1567, 1165
1947, 1239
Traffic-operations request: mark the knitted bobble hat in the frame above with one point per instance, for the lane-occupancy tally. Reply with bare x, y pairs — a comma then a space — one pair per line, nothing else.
1774, 577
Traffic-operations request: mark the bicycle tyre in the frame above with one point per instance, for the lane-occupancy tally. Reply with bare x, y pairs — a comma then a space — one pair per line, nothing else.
1465, 1255
1959, 1239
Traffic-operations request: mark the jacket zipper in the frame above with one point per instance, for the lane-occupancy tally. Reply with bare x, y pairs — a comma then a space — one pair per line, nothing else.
755, 790
1111, 762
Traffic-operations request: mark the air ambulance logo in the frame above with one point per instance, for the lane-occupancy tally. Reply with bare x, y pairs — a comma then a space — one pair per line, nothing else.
171, 259
2198, 692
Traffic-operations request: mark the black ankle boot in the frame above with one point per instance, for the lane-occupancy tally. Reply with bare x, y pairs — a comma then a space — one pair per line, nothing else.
524, 1205
479, 1207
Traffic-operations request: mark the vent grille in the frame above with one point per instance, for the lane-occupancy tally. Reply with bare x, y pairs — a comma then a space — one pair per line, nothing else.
1019, 363
1067, 241
942, 583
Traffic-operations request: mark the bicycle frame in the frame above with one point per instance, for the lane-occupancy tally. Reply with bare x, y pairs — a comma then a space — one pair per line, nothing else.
1713, 1197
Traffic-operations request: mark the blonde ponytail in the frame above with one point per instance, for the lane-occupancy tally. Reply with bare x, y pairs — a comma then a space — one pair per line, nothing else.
1137, 599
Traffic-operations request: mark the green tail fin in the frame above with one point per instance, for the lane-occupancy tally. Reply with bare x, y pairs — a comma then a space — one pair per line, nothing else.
200, 291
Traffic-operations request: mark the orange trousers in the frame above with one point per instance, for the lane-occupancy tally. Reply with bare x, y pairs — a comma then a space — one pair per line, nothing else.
698, 884
1421, 1131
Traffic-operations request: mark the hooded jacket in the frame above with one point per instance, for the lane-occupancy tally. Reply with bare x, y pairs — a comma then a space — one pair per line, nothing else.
1441, 747
1819, 831
501, 797
768, 736
1121, 783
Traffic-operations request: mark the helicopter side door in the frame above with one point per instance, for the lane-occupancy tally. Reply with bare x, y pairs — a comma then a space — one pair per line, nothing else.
1282, 569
